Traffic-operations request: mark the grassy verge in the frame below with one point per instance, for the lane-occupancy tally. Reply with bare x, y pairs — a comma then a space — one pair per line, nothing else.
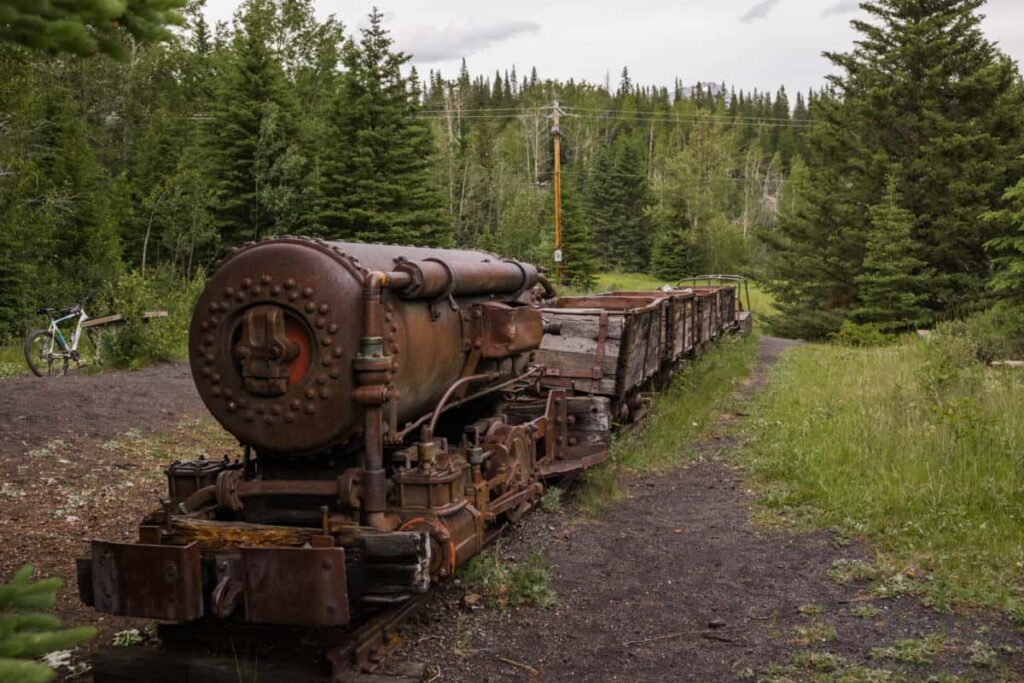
910, 446
12, 361
698, 395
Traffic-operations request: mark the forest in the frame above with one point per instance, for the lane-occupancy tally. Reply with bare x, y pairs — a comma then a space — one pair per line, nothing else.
889, 199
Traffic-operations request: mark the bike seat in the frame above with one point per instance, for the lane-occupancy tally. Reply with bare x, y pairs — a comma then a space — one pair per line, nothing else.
72, 310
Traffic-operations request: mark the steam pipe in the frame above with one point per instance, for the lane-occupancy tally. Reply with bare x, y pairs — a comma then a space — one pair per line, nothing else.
545, 283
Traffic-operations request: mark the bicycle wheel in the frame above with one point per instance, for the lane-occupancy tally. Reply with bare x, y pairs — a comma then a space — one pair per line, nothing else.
41, 361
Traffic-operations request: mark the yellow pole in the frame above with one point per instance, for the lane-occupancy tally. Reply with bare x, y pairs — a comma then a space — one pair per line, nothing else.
556, 135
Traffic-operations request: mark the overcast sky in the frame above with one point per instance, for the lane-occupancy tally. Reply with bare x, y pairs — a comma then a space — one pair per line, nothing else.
747, 43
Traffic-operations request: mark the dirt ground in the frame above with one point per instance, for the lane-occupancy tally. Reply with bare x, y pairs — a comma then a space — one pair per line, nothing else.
673, 583
82, 457
35, 411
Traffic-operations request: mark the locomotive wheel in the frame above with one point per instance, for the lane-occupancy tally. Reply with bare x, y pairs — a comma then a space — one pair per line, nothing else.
514, 450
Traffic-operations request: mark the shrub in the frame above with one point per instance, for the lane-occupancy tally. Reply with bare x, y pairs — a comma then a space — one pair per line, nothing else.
137, 343
854, 334
503, 584
25, 633
998, 332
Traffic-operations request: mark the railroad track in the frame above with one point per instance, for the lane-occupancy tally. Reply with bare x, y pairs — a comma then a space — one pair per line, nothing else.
360, 656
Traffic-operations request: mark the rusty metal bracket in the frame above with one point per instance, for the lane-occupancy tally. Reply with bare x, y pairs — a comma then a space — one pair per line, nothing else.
602, 335
302, 586
150, 581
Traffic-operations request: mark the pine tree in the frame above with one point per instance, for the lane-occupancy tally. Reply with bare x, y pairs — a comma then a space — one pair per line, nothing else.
579, 268
1008, 250
672, 257
85, 27
892, 278
803, 269
379, 183
27, 633
617, 196
252, 89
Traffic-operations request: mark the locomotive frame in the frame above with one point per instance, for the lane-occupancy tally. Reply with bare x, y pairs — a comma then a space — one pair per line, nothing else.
395, 406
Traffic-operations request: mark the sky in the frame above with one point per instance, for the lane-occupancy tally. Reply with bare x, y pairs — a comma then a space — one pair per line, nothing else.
746, 43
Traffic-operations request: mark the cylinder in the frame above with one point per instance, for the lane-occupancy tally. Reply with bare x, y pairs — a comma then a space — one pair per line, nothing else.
279, 341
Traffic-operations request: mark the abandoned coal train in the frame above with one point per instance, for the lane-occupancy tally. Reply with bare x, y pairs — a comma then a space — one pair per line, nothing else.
395, 405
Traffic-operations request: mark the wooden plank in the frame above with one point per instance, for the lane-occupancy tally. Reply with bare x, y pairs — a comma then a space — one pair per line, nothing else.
149, 315
575, 362
562, 344
212, 535
584, 324
105, 320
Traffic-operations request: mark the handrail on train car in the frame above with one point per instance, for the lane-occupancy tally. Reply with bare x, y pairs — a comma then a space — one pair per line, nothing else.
739, 279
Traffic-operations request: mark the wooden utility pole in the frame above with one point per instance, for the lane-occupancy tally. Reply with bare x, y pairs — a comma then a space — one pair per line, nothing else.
556, 138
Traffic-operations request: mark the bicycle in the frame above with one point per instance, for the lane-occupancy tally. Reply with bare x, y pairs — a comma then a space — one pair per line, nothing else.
49, 353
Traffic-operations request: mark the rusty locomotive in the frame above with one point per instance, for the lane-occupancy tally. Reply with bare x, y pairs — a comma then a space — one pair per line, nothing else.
395, 406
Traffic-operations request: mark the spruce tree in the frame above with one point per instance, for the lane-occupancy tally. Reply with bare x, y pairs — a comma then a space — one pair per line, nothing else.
803, 268
85, 27
379, 182
26, 632
251, 89
892, 278
1008, 249
926, 90
617, 197
672, 256
579, 267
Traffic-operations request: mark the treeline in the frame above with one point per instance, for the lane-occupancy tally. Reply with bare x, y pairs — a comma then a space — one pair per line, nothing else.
163, 155
671, 181
886, 200
166, 154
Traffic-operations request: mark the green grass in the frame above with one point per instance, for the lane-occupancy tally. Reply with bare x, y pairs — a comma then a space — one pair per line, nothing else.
699, 394
900, 446
12, 361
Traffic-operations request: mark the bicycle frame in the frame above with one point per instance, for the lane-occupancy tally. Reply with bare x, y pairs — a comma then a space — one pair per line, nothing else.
58, 337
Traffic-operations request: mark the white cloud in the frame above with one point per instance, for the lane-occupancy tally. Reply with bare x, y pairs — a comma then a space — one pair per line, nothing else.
433, 43
759, 11
843, 7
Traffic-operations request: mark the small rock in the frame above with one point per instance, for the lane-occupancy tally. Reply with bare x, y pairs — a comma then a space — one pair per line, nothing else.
471, 599
717, 623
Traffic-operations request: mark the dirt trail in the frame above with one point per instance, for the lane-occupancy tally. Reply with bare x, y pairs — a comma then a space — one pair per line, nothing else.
35, 411
640, 587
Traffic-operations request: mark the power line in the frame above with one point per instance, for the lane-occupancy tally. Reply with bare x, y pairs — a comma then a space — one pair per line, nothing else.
664, 118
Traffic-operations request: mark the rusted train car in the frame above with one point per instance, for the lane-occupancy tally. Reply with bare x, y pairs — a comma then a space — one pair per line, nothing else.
394, 406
